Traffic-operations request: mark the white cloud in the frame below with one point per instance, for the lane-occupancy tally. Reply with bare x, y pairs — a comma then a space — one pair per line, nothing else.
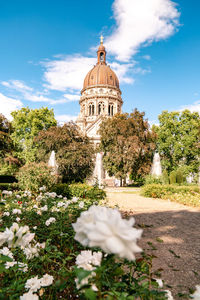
140, 22
7, 105
16, 85
68, 72
147, 57
141, 71
28, 93
65, 118
121, 72
70, 97
195, 107
39, 97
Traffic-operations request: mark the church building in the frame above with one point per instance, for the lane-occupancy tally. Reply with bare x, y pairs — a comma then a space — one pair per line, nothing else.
100, 97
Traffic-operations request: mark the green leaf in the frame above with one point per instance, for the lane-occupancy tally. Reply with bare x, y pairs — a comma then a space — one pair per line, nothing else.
5, 258
81, 273
90, 294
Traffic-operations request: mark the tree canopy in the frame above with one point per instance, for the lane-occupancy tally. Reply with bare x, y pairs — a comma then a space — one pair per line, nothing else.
5, 139
179, 139
74, 152
27, 123
128, 145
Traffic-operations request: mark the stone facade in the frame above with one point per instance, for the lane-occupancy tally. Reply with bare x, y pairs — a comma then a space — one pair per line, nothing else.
100, 97
97, 102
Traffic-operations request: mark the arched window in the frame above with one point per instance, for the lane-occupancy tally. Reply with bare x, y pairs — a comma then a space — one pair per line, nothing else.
118, 108
101, 108
91, 109
101, 56
110, 109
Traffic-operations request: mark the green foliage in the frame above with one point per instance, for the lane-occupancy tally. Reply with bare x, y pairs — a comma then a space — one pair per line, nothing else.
179, 140
7, 186
127, 144
27, 123
8, 169
33, 176
150, 179
61, 189
74, 151
115, 278
165, 177
85, 191
179, 176
5, 140
188, 195
172, 177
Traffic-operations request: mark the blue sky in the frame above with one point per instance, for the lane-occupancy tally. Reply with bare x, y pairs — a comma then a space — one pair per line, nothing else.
47, 48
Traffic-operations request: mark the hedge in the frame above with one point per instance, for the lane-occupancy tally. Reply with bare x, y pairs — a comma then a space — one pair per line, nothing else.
79, 190
7, 186
159, 190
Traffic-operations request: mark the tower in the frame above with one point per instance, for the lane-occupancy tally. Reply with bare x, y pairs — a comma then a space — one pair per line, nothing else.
100, 96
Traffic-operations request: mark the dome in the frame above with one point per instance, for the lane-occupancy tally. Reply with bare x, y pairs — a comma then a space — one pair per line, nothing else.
101, 74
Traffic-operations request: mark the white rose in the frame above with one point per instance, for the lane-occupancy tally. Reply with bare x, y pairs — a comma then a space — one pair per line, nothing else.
44, 208
104, 227
5, 251
33, 284
16, 211
159, 282
6, 236
196, 295
10, 264
96, 258
81, 204
46, 280
6, 213
29, 296
169, 295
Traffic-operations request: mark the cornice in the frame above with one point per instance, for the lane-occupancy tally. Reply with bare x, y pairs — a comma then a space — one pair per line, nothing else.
103, 96
101, 86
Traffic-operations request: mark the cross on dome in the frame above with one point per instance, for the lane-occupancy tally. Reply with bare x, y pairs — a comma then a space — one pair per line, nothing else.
101, 39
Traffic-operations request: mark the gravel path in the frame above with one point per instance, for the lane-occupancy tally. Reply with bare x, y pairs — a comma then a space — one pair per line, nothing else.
171, 232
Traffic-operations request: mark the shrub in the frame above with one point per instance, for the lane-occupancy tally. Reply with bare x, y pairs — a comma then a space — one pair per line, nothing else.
33, 176
189, 198
150, 179
7, 186
85, 191
62, 189
165, 177
173, 192
50, 250
172, 177
179, 176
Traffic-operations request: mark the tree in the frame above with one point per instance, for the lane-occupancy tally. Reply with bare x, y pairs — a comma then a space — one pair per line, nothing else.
178, 140
128, 145
74, 152
5, 139
27, 123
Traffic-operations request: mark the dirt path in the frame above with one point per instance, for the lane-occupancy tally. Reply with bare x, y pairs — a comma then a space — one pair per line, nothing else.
171, 232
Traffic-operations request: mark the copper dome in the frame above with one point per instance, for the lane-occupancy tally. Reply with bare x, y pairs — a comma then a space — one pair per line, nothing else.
101, 73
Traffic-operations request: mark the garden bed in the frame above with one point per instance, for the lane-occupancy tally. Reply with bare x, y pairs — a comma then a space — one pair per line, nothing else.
187, 195
44, 256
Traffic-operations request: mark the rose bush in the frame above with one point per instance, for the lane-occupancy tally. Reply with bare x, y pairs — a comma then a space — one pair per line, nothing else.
41, 259
33, 176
